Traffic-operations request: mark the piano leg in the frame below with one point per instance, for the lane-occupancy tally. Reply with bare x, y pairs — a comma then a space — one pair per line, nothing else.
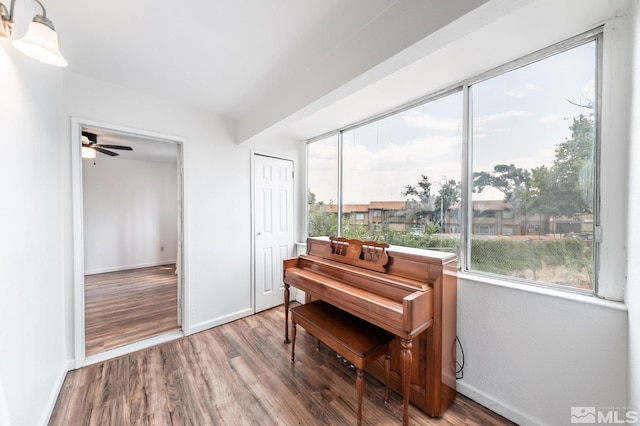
405, 359
286, 314
359, 392
387, 370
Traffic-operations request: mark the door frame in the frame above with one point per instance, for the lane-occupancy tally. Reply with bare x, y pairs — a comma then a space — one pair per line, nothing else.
254, 153
80, 358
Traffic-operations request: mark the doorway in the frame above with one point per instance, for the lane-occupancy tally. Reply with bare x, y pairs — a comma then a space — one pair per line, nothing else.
128, 226
273, 225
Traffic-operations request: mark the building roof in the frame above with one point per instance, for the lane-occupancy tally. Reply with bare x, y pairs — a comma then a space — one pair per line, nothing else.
388, 205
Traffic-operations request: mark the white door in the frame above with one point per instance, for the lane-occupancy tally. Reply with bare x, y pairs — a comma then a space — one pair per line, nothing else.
274, 236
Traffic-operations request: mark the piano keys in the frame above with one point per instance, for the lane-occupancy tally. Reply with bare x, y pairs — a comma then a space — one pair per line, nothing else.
408, 292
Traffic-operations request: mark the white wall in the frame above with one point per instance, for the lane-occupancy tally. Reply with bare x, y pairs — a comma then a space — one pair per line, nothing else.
217, 205
32, 336
532, 356
130, 212
632, 291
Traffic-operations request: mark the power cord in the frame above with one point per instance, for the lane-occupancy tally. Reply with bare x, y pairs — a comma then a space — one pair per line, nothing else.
459, 366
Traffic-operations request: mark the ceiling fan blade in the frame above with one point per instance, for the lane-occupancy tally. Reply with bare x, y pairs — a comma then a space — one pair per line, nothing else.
127, 148
104, 151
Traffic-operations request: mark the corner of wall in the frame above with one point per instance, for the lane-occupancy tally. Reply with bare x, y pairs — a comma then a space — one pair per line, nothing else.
632, 285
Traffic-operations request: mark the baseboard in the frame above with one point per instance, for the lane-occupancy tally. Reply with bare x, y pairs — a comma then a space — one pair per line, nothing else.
300, 296
127, 267
219, 321
496, 405
53, 396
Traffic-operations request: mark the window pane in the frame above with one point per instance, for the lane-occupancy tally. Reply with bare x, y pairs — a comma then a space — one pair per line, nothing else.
322, 187
533, 170
401, 175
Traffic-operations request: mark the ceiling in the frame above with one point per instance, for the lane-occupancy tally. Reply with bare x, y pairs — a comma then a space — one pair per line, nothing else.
255, 63
219, 55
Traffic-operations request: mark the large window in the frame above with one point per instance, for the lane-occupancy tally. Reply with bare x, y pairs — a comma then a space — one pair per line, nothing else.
511, 186
401, 178
533, 180
322, 187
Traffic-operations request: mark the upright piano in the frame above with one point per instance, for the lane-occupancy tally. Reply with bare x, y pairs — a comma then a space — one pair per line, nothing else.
408, 292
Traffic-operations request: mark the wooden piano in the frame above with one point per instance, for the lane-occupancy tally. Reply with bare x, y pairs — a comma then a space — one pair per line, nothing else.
408, 292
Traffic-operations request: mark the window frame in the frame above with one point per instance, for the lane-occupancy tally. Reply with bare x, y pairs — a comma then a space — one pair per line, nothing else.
466, 215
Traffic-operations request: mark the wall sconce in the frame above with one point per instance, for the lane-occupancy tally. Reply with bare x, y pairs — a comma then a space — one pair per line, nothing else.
41, 40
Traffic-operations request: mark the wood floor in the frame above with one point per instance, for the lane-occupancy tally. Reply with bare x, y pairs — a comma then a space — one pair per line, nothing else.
237, 374
128, 306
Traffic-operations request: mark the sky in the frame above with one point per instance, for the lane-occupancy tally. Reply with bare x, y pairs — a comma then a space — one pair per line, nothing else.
519, 118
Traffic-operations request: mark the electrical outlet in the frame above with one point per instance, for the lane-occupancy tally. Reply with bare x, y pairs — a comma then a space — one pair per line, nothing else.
161, 248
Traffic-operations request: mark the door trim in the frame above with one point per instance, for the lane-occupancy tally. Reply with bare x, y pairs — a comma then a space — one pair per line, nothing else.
254, 153
77, 124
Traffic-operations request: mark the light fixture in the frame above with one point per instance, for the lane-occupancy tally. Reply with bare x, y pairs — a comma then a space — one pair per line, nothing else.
88, 152
41, 40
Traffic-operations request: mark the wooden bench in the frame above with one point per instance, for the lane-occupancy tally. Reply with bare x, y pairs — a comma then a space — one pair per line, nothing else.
356, 340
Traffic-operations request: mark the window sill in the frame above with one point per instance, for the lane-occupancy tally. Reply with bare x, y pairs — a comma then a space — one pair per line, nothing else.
545, 291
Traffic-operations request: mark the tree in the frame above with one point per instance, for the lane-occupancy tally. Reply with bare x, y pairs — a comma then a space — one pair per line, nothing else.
572, 175
422, 191
321, 222
418, 207
448, 196
566, 188
563, 189
514, 183
423, 205
311, 197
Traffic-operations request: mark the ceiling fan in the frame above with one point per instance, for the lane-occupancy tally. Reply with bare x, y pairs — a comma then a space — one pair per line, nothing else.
90, 140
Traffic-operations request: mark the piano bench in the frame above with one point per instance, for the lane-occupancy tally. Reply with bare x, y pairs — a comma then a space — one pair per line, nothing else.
356, 340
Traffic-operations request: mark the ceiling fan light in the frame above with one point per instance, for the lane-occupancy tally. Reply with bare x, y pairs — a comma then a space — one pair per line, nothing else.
88, 152
41, 43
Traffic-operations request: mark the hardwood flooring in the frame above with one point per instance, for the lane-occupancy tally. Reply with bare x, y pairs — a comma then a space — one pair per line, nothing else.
127, 306
237, 374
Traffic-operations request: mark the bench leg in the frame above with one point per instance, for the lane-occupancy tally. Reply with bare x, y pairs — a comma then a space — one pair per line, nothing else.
359, 390
293, 341
387, 370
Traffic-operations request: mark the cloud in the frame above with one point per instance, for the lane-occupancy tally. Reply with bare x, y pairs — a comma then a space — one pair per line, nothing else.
550, 118
429, 121
588, 90
414, 154
522, 90
500, 116
382, 174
